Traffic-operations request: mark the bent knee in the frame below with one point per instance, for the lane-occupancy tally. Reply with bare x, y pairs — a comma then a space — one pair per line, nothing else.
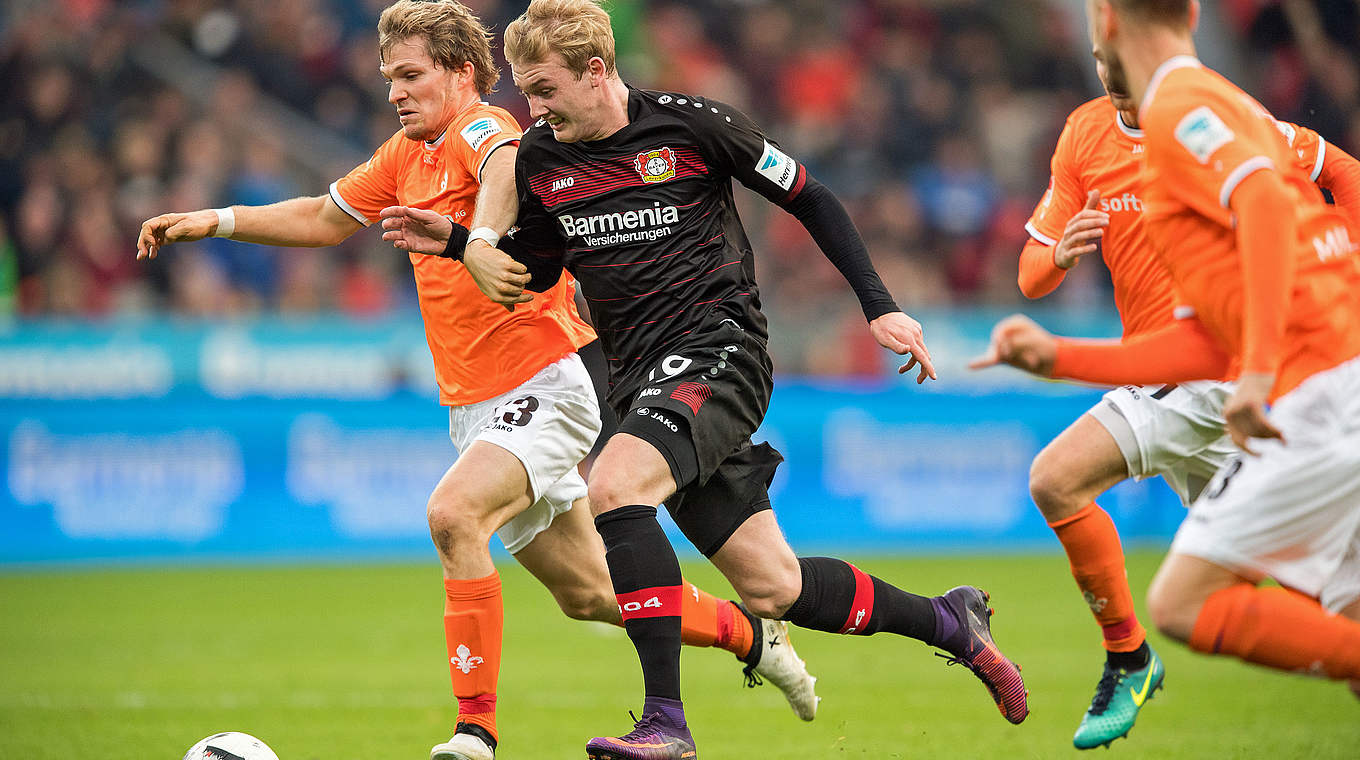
771, 598
1172, 614
456, 523
588, 604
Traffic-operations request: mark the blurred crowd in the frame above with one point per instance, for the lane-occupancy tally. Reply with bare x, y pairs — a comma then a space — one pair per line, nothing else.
932, 119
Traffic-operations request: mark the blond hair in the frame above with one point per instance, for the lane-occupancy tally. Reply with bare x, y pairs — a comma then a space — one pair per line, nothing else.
452, 36
577, 30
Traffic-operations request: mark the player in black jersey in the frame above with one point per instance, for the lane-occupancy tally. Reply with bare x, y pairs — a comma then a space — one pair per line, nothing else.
630, 191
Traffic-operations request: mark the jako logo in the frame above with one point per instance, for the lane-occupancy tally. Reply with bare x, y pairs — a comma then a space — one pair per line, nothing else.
563, 184
649, 392
625, 220
1125, 202
665, 421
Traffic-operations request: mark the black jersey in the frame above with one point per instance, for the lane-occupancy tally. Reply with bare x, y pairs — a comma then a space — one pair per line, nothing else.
645, 221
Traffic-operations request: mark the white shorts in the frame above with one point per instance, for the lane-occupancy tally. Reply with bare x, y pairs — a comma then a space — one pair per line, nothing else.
1175, 431
549, 423
1293, 512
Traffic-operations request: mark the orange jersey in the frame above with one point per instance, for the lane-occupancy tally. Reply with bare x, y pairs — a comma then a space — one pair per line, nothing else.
1098, 151
1203, 137
480, 350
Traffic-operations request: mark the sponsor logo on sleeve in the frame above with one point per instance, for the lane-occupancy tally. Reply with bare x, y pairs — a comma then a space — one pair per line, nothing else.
478, 132
777, 167
1202, 133
655, 165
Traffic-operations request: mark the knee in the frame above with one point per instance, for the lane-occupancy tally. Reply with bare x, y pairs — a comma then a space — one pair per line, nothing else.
1171, 613
582, 603
772, 595
607, 492
456, 523
1051, 489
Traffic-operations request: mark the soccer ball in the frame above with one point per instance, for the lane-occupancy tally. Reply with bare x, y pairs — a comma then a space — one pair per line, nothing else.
231, 745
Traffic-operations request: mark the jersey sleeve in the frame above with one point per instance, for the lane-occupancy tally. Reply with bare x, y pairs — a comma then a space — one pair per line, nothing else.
1308, 145
489, 128
1064, 197
535, 230
1203, 147
371, 186
734, 146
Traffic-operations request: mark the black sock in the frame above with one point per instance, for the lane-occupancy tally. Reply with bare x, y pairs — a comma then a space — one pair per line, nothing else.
1135, 660
839, 598
647, 584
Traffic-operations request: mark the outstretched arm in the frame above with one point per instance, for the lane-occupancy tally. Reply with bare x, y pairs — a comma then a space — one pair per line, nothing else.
1182, 351
299, 222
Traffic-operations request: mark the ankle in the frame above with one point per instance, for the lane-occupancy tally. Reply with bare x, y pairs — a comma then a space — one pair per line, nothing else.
1129, 661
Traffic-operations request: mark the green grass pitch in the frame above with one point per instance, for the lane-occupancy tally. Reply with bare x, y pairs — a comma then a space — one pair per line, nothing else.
347, 663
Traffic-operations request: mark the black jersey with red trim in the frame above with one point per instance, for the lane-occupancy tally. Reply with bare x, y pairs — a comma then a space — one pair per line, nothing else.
646, 222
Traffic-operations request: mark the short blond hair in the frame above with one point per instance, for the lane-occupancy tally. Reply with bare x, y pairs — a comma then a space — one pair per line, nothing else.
577, 30
452, 34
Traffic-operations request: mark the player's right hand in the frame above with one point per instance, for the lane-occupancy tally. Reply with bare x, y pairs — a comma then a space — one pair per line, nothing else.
174, 228
1083, 233
497, 274
416, 229
1020, 342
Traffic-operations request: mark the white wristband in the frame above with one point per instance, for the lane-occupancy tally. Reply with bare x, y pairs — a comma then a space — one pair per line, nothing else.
485, 233
226, 222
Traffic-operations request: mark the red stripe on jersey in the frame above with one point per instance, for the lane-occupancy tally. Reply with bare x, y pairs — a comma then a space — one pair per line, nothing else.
692, 394
863, 607
657, 601
591, 179
798, 183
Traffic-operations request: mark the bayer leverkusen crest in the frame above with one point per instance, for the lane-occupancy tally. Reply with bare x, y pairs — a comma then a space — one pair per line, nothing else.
655, 165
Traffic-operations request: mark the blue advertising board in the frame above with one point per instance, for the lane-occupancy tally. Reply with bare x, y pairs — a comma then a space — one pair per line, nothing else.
323, 440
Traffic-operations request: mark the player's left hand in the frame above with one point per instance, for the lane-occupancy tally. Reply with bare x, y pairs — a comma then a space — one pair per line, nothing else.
902, 335
1245, 410
1020, 342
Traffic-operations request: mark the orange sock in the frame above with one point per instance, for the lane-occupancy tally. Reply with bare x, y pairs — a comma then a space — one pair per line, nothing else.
1097, 560
707, 621
474, 615
1278, 629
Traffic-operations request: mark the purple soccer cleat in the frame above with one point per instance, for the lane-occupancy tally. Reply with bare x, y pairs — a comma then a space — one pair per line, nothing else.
971, 643
655, 737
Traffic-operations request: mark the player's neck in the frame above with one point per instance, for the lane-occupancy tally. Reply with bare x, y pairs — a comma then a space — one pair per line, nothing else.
613, 109
460, 102
1146, 50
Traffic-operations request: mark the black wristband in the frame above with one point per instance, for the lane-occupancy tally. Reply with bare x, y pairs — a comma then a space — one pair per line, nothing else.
457, 242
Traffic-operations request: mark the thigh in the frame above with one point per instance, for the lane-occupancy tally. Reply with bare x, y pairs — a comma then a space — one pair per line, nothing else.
1084, 461
709, 513
549, 423
569, 554
489, 481
629, 471
756, 558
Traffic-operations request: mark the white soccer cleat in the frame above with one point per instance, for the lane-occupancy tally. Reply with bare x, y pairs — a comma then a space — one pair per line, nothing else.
463, 747
780, 665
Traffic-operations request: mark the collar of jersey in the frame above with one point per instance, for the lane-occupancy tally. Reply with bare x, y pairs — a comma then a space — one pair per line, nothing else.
436, 142
1136, 134
1168, 66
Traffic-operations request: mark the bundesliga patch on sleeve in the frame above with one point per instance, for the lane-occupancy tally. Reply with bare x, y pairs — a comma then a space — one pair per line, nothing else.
1201, 132
777, 167
478, 132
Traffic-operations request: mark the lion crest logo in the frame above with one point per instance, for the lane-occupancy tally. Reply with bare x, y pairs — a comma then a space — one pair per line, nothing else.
655, 165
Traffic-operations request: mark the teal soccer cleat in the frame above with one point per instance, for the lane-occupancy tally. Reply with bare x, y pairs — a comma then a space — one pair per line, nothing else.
1119, 696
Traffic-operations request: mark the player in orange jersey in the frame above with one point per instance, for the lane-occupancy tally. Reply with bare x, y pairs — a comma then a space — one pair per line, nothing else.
1176, 431
522, 410
1267, 287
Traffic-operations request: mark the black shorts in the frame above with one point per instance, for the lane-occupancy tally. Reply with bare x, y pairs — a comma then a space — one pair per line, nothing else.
704, 401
